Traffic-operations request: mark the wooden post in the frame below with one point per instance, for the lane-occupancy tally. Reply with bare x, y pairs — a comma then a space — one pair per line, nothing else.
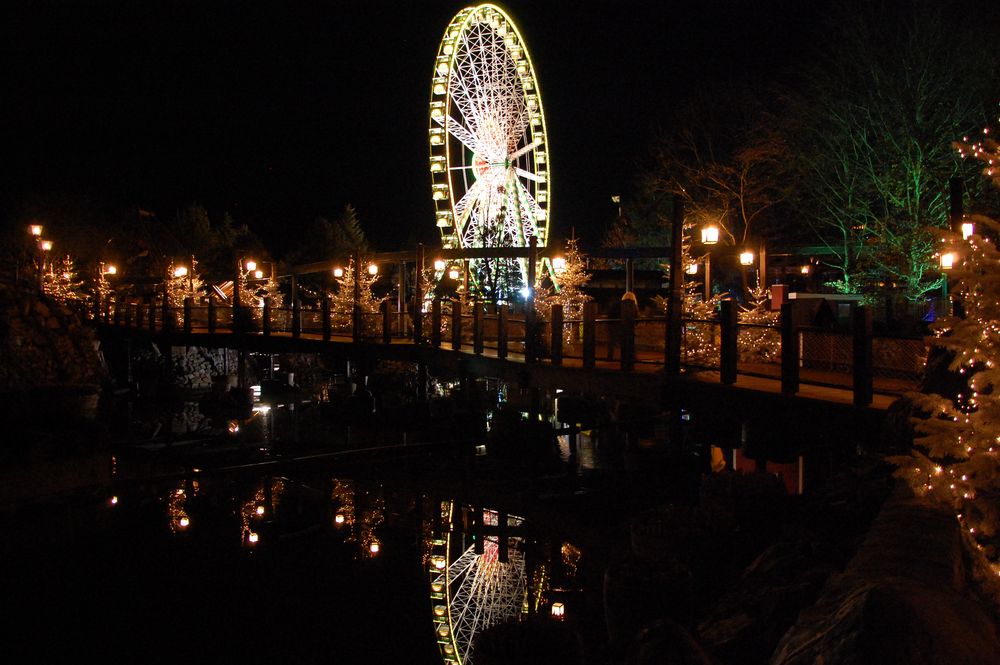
212, 315
556, 334
166, 316
728, 335
418, 297
675, 303
436, 323
188, 304
296, 318
265, 318
789, 351
327, 321
477, 327
589, 334
357, 325
530, 316
456, 324
386, 322
627, 324
861, 330
502, 313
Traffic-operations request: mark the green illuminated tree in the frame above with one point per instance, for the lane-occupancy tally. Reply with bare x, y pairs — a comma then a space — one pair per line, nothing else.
870, 139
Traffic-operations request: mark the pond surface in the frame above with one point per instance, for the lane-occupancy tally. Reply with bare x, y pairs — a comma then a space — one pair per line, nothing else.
215, 548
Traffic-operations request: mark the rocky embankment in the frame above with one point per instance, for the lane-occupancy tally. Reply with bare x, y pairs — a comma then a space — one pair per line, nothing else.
43, 343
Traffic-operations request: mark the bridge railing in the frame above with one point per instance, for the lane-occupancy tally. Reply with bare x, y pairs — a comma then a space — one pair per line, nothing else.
850, 358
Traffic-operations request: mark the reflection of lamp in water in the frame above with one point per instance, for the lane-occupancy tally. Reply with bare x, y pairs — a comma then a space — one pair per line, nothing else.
558, 611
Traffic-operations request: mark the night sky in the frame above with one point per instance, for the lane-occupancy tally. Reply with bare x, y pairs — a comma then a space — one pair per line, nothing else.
278, 112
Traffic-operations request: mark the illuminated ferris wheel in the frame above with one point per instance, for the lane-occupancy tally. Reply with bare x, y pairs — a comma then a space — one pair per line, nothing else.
473, 591
488, 154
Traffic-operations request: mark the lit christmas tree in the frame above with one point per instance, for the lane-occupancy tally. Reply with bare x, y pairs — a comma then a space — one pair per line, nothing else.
183, 282
759, 340
342, 299
955, 457
61, 283
570, 278
699, 343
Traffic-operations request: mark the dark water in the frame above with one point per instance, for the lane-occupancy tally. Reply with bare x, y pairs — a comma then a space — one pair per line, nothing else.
222, 549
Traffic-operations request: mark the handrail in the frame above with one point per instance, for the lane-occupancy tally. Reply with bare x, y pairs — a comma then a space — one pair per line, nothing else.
593, 342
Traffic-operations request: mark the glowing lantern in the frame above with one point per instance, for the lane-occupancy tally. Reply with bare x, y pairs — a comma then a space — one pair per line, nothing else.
453, 273
746, 258
372, 269
338, 272
46, 245
804, 270
558, 263
692, 269
710, 235
35, 229
558, 611
251, 266
968, 228
338, 519
947, 261
111, 270
439, 264
180, 271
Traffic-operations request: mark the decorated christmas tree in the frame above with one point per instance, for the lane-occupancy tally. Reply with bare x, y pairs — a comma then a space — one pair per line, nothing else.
699, 345
60, 281
342, 299
570, 278
758, 339
956, 455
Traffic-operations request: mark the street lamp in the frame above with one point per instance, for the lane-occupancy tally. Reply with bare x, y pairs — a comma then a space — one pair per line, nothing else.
372, 269
180, 271
746, 258
251, 266
453, 273
968, 228
692, 269
439, 265
35, 230
710, 235
338, 272
45, 245
947, 260
559, 263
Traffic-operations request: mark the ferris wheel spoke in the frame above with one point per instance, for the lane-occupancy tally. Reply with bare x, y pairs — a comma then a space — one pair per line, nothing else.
534, 177
525, 150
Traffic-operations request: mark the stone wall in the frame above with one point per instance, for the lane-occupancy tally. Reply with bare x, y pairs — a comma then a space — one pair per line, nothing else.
43, 343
